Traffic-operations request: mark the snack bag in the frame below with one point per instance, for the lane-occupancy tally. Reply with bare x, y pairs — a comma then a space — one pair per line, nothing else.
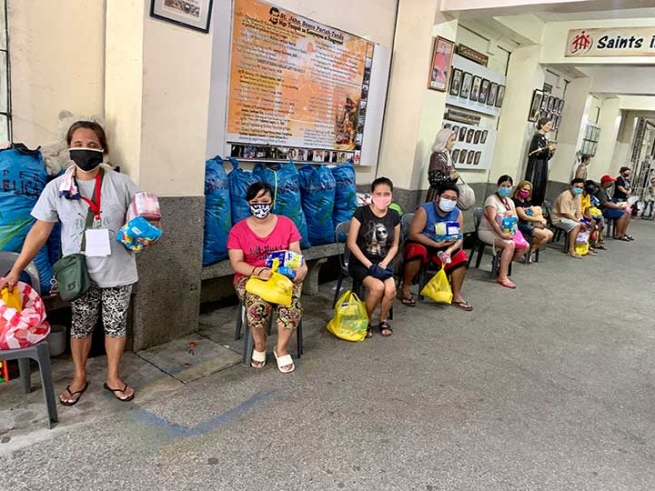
582, 243
144, 205
285, 262
138, 234
509, 225
447, 231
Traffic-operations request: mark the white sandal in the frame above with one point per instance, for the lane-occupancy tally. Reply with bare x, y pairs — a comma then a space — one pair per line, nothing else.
283, 361
258, 357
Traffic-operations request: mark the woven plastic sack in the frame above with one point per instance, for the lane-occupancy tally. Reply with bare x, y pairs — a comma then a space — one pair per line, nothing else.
239, 181
350, 319
345, 196
317, 189
278, 289
438, 288
27, 327
218, 212
285, 182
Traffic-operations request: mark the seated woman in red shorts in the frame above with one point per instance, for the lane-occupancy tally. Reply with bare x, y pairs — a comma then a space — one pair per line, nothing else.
422, 246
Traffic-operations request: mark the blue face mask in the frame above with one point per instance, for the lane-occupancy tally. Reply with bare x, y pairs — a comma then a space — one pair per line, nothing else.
577, 191
504, 192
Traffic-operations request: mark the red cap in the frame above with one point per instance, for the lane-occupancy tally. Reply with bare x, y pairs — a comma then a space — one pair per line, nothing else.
607, 178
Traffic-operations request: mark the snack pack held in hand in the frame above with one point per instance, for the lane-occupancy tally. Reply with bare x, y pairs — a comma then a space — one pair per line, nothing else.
285, 262
447, 231
509, 225
138, 234
144, 205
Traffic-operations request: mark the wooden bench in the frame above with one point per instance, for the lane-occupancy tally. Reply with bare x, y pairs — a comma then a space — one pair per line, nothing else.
314, 256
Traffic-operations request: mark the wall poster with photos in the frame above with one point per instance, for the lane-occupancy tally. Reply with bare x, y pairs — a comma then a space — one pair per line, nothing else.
475, 87
546, 105
474, 147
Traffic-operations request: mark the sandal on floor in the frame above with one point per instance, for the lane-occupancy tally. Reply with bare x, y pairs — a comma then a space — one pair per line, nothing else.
369, 332
506, 284
624, 238
73, 394
114, 391
409, 301
465, 306
258, 357
629, 237
385, 326
601, 247
284, 361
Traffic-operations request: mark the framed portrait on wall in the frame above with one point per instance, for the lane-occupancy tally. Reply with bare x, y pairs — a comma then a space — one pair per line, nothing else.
462, 134
462, 156
470, 135
455, 155
470, 157
456, 82
475, 88
476, 137
561, 106
484, 91
478, 155
194, 14
493, 92
551, 102
544, 105
466, 85
501, 96
535, 106
483, 137
441, 64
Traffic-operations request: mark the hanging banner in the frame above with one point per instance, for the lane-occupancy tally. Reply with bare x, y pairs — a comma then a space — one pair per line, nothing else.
616, 41
296, 87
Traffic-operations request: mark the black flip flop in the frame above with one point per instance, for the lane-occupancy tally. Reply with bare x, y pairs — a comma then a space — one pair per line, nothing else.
113, 391
409, 302
624, 238
73, 394
465, 306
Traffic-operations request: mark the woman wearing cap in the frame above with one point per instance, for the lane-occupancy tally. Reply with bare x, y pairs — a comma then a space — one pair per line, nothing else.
442, 169
541, 151
619, 212
87, 188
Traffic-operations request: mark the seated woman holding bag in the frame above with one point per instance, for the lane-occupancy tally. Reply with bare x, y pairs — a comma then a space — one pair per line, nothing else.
249, 243
373, 242
424, 245
497, 207
531, 221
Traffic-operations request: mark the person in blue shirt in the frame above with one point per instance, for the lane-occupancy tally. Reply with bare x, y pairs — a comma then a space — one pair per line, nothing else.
424, 246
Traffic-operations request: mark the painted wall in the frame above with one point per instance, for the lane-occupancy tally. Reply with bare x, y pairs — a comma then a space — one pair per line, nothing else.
57, 62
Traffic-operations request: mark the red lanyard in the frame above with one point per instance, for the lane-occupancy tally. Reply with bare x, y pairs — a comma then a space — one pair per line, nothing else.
95, 204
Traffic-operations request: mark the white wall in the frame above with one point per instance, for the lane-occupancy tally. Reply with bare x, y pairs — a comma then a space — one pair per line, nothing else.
57, 62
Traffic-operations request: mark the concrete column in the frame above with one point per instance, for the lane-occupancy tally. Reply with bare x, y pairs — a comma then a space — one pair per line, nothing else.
414, 113
514, 131
609, 122
156, 103
569, 136
623, 148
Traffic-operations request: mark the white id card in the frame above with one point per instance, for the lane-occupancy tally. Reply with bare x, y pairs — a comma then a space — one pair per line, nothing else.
97, 242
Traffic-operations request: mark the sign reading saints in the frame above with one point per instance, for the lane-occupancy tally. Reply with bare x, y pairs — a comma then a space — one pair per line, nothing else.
623, 41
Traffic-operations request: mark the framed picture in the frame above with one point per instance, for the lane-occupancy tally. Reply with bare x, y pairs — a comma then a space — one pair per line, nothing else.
475, 88
478, 155
484, 91
456, 131
441, 63
456, 82
470, 157
447, 126
194, 14
455, 155
466, 85
551, 101
493, 92
561, 106
535, 106
476, 137
469, 135
462, 156
544, 104
555, 121
483, 137
501, 96
462, 134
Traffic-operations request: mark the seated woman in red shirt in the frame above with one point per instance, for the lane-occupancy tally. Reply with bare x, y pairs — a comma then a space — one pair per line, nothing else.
249, 242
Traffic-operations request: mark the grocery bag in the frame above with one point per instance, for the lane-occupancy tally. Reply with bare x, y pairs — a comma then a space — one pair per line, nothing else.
277, 289
24, 327
438, 288
582, 244
350, 320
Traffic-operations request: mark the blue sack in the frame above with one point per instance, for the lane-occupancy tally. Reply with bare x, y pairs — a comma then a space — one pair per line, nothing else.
23, 179
240, 180
317, 188
345, 198
284, 180
218, 213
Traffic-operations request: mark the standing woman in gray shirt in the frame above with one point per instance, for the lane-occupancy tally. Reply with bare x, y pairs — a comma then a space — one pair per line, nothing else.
87, 188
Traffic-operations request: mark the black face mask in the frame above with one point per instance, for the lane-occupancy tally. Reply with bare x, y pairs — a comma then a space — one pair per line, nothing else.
87, 159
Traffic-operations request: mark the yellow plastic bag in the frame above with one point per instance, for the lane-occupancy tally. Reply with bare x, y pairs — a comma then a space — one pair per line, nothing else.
12, 300
277, 289
350, 319
438, 288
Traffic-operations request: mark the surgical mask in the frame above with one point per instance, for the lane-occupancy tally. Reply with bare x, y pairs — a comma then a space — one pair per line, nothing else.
504, 192
260, 211
577, 191
86, 159
524, 194
447, 205
381, 203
